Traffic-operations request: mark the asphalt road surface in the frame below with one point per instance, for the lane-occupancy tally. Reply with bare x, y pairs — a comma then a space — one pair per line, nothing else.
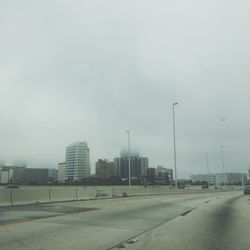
183, 221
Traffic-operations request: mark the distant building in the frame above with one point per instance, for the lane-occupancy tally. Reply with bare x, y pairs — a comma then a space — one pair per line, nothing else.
104, 169
235, 178
7, 174
27, 176
219, 178
77, 161
198, 178
161, 173
150, 172
52, 175
30, 176
36, 176
170, 175
61, 173
138, 165
19, 175
150, 175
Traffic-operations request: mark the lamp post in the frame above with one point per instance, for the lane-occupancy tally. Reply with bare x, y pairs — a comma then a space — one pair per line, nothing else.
222, 161
129, 170
242, 179
208, 177
175, 167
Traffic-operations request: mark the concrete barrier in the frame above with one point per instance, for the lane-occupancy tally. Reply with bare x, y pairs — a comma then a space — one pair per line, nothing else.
103, 192
27, 196
86, 193
32, 195
63, 194
5, 197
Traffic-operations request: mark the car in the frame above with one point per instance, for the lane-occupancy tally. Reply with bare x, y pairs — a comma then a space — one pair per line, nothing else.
246, 190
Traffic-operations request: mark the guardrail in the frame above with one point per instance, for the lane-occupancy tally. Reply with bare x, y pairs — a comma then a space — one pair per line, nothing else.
11, 197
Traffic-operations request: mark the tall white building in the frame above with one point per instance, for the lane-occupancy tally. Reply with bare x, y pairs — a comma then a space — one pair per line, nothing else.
61, 172
77, 161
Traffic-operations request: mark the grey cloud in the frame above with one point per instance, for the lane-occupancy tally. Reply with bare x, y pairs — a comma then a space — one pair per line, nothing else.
89, 70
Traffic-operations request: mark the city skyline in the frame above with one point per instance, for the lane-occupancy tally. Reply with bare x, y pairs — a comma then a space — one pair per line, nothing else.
135, 153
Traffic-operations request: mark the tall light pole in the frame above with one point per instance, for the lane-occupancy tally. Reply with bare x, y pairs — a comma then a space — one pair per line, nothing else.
175, 167
129, 169
242, 179
208, 177
222, 161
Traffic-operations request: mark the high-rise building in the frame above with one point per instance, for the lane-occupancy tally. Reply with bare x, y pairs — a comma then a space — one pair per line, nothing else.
138, 165
150, 175
165, 172
160, 171
77, 161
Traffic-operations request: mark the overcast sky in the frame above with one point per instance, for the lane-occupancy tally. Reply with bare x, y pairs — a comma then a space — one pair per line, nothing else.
90, 70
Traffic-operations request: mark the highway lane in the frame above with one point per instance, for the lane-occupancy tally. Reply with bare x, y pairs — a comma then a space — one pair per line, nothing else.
223, 223
183, 221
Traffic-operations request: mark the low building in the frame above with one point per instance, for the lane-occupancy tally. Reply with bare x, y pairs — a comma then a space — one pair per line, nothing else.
27, 176
7, 174
199, 178
52, 178
218, 179
35, 176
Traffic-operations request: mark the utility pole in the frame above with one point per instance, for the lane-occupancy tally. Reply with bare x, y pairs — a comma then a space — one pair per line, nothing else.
129, 167
175, 167
208, 177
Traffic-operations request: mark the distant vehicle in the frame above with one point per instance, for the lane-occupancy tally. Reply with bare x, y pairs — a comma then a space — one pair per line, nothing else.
217, 187
12, 186
246, 190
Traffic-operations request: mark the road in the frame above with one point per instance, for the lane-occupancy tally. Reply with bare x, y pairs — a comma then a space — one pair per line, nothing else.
183, 221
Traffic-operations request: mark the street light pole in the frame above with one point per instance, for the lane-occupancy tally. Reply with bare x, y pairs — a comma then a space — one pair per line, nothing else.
129, 169
222, 161
175, 167
222, 158
208, 177
242, 180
